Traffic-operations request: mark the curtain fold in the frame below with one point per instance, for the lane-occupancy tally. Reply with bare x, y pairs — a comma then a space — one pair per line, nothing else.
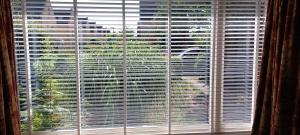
278, 95
9, 104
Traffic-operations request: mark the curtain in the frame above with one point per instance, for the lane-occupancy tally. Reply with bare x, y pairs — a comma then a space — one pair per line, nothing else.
9, 104
278, 96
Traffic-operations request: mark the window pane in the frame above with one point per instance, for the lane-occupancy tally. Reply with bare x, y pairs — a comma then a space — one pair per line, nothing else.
51, 65
20, 62
146, 41
191, 44
243, 29
101, 65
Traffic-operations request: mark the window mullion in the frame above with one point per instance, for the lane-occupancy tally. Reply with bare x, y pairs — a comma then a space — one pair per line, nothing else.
124, 66
217, 67
77, 59
169, 70
255, 55
27, 67
212, 67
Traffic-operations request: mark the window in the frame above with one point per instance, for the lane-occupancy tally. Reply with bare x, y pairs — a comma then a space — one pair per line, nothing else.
137, 66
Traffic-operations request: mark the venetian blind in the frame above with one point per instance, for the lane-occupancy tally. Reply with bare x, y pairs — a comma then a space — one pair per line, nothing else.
137, 66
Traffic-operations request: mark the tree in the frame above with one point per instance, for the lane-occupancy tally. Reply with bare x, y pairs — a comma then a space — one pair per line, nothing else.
46, 111
55, 83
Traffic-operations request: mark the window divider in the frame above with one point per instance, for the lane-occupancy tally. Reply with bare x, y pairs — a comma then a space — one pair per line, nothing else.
169, 69
124, 66
27, 66
217, 67
77, 60
212, 67
255, 55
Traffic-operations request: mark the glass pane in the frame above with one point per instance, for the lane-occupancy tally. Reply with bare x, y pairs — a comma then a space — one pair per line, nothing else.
51, 64
146, 41
191, 44
101, 66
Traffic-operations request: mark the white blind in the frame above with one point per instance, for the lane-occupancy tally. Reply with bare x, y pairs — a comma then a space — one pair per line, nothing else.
45, 59
191, 48
242, 35
101, 59
146, 24
137, 66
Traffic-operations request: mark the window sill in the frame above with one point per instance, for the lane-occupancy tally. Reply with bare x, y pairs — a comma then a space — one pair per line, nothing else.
235, 129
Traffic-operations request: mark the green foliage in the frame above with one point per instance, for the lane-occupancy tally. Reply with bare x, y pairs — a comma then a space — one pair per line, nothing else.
104, 62
37, 121
46, 109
